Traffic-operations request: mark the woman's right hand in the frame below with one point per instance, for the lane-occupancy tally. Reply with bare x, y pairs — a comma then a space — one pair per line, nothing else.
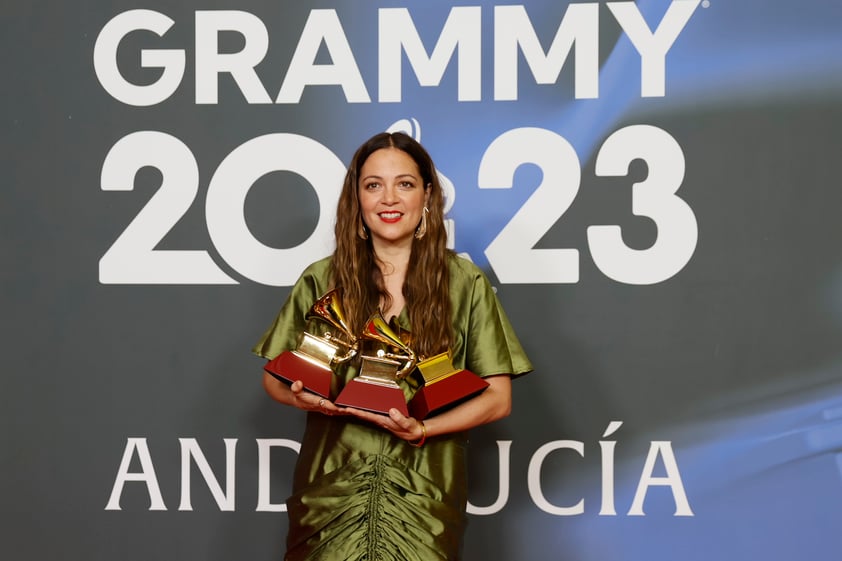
296, 396
309, 401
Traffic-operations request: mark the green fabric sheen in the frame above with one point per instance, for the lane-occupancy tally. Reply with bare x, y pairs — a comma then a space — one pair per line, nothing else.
360, 493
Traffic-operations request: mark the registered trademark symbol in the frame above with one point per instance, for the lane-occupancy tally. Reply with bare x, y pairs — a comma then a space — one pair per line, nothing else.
705, 3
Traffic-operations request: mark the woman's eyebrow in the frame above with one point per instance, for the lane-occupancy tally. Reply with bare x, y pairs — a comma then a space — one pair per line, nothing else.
399, 176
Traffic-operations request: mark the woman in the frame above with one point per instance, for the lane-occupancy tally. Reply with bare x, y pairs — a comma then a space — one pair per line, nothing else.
370, 486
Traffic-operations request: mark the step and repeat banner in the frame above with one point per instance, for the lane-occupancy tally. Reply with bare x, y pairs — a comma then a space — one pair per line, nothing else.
651, 186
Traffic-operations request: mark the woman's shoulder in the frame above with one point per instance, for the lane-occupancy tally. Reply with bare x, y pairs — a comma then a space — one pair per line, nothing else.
464, 269
315, 277
318, 268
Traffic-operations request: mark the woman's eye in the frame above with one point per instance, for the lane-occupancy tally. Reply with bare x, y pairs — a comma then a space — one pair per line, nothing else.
406, 185
372, 186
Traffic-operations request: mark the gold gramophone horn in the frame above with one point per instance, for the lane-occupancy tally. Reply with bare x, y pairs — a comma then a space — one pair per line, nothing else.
377, 329
329, 309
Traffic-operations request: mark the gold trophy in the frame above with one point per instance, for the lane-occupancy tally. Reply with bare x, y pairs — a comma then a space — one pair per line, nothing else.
315, 355
376, 387
444, 386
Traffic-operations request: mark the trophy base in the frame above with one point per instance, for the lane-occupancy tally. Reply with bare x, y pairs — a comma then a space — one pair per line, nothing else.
290, 366
433, 397
372, 396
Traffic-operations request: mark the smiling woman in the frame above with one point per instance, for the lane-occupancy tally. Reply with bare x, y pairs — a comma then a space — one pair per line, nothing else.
384, 485
393, 210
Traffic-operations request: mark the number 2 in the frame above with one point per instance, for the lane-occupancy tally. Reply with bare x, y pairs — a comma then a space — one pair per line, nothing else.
133, 259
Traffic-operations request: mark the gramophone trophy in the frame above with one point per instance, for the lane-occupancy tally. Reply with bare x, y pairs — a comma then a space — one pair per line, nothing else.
443, 387
376, 387
315, 354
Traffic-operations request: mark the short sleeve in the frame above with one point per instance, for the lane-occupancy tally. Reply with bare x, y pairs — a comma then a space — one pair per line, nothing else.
485, 340
283, 334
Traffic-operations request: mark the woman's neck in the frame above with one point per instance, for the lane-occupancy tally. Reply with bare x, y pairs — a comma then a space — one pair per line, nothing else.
393, 259
393, 263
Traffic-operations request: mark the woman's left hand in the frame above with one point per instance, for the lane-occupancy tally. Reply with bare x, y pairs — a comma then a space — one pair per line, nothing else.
407, 428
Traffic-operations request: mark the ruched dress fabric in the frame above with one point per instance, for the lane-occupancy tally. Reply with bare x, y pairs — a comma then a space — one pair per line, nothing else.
360, 493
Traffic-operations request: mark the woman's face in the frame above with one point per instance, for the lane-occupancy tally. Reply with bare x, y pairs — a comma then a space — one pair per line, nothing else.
392, 197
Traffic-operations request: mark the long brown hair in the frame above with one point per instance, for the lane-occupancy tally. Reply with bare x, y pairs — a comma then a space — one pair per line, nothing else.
354, 264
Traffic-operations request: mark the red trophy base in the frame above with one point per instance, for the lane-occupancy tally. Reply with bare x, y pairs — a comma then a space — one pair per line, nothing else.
372, 396
435, 396
290, 366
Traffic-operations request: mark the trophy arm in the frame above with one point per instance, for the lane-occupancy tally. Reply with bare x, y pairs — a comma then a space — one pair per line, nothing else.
350, 348
349, 354
354, 344
411, 361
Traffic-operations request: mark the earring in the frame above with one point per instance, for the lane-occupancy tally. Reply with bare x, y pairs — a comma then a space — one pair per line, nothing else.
361, 231
421, 230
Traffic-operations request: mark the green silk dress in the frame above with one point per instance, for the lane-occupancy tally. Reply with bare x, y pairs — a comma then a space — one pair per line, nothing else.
360, 493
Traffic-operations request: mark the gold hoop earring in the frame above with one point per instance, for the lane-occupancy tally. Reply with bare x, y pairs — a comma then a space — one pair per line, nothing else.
421, 230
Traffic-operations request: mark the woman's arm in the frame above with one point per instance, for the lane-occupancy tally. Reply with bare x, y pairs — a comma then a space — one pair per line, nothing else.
492, 404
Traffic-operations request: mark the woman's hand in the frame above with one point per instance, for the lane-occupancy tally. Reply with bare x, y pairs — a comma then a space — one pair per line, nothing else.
296, 396
406, 428
309, 401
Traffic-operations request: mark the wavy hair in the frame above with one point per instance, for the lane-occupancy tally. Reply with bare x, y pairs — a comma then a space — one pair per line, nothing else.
354, 266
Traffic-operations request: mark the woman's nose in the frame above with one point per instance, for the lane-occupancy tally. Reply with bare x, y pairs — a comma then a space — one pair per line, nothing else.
390, 194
